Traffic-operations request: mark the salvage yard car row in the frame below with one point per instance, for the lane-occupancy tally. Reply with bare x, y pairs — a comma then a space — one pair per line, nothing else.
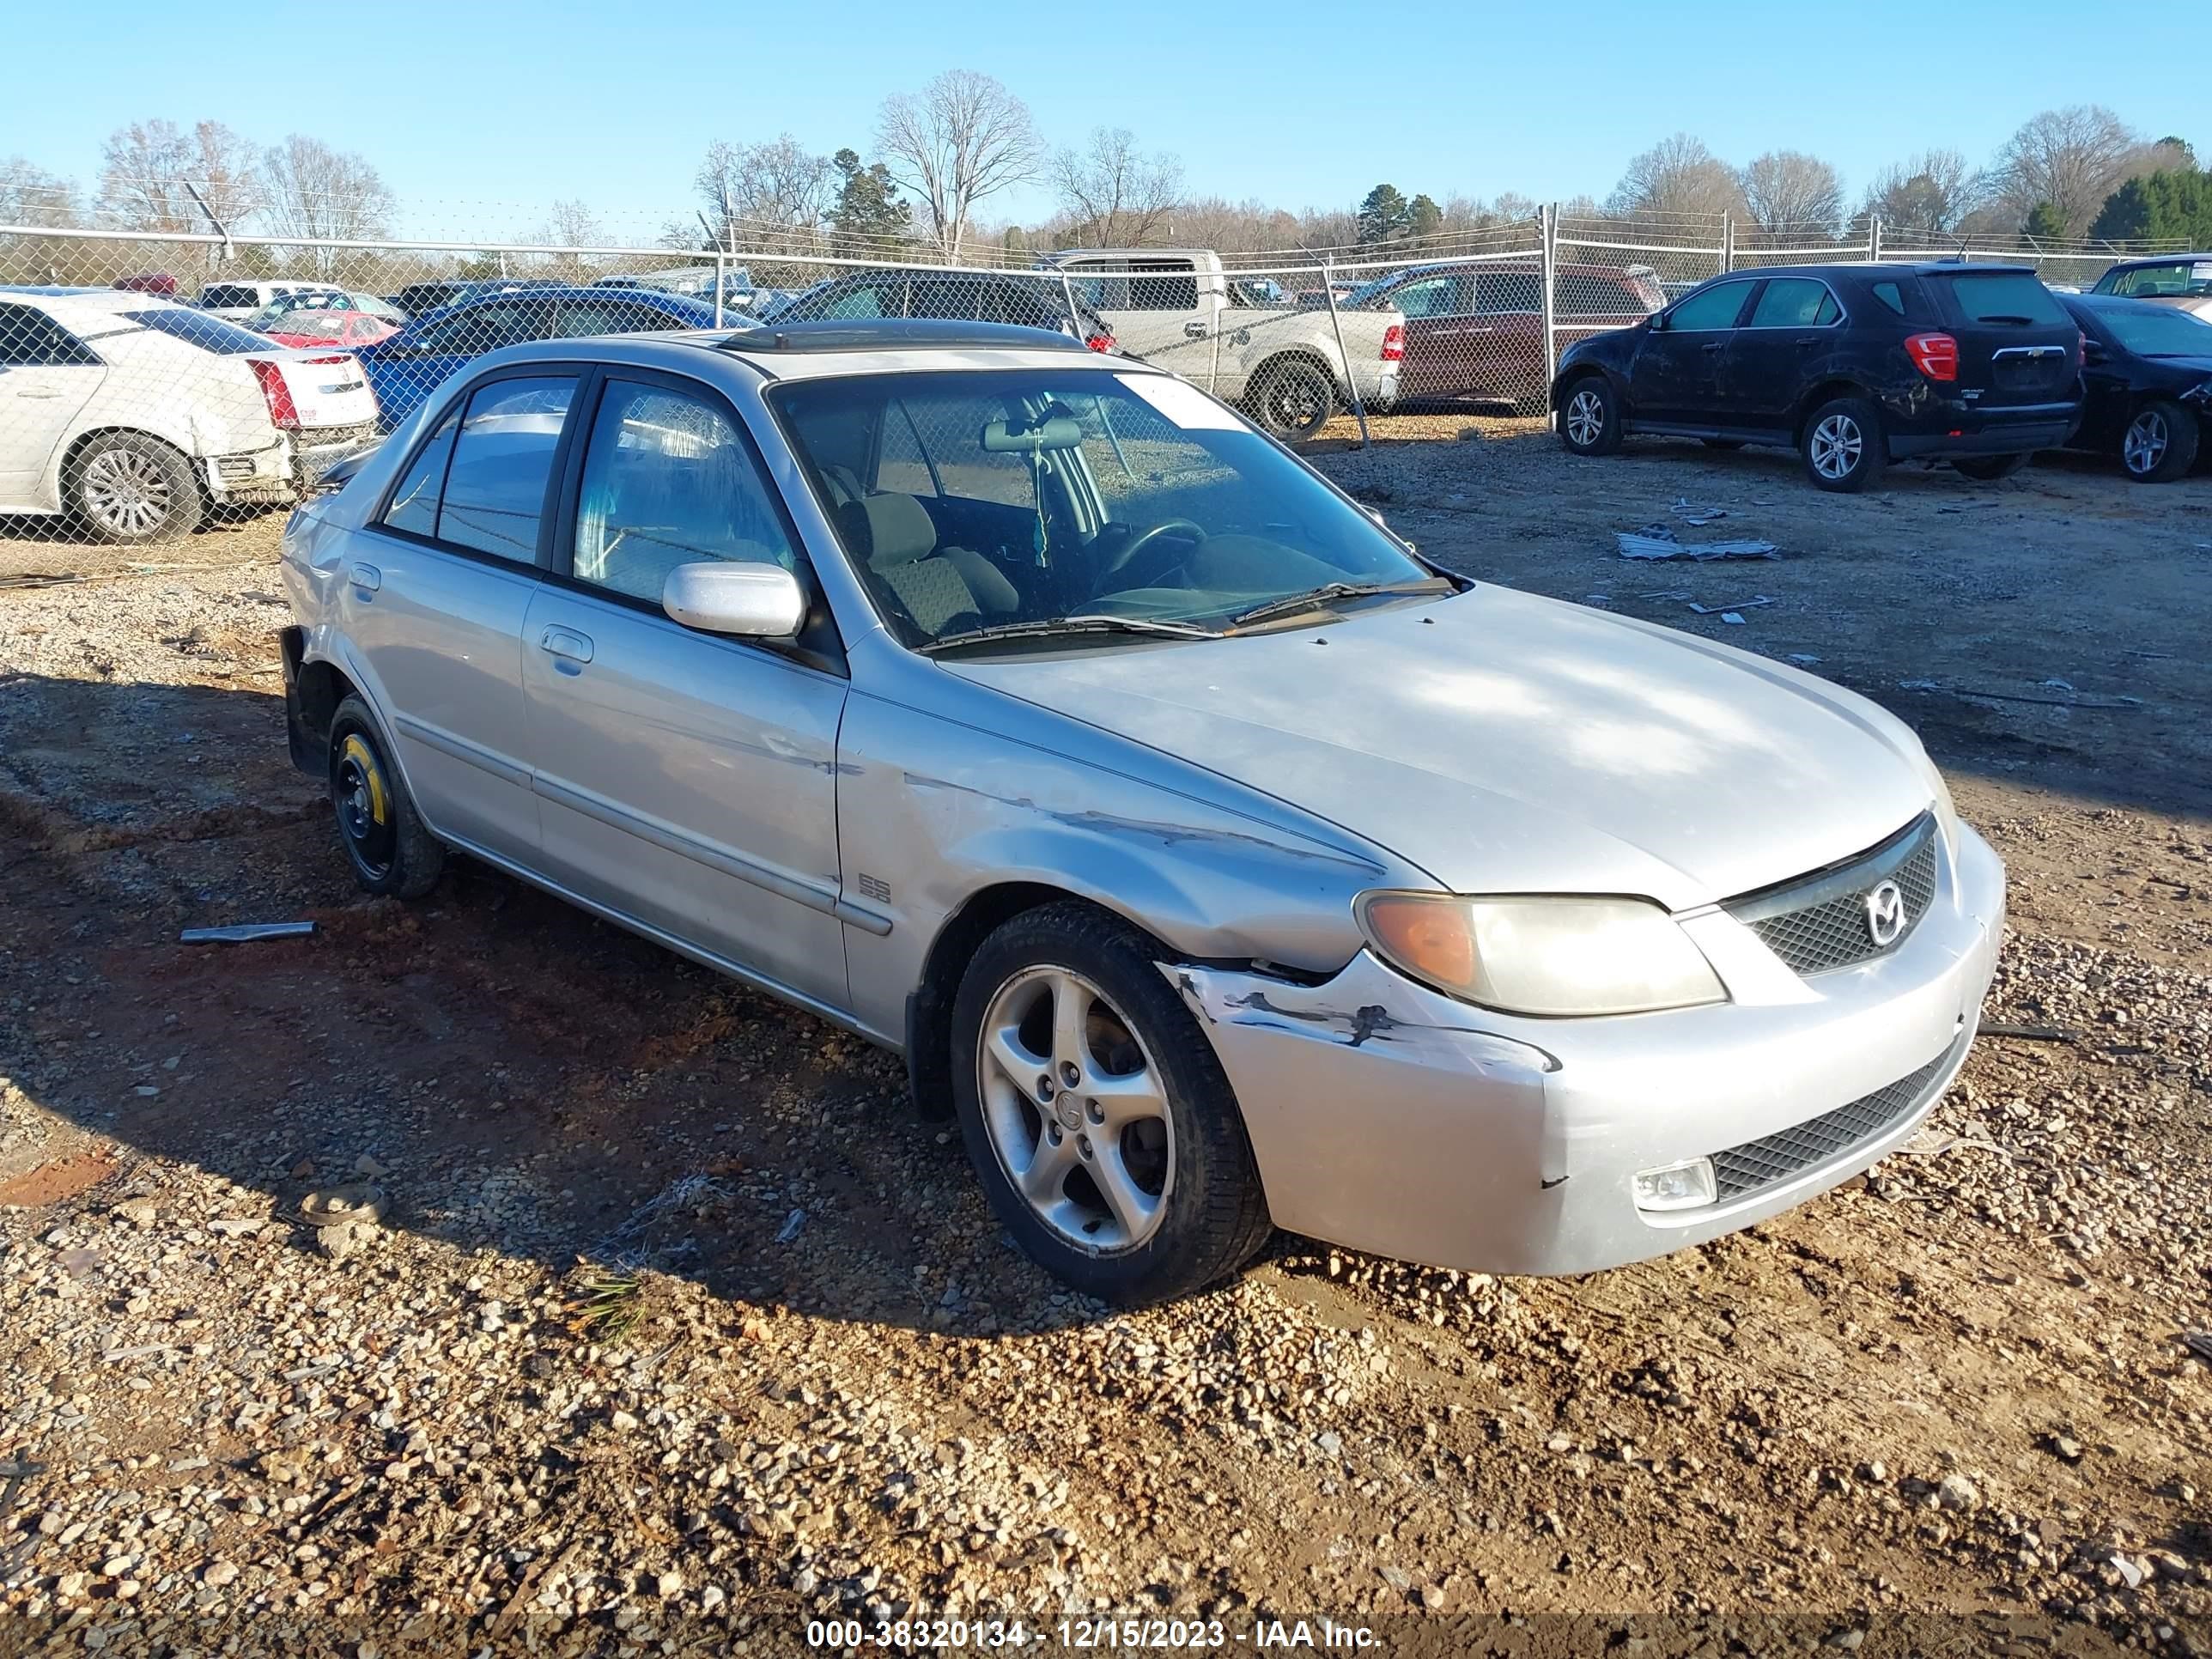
1855, 367
1858, 365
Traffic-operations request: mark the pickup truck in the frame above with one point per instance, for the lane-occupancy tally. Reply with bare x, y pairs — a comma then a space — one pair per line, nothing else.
1178, 308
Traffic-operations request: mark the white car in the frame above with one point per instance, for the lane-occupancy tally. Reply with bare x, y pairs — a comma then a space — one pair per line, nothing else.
239, 300
137, 414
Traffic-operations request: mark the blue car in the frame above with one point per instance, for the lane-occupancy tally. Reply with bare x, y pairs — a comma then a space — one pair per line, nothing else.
408, 366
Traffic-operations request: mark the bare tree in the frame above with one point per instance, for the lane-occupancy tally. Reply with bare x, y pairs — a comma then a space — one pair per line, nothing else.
30, 195
2069, 160
1930, 192
145, 168
776, 194
960, 140
320, 194
1113, 194
1789, 189
1675, 177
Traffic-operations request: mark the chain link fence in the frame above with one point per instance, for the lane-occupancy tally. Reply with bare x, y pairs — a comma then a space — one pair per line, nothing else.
151, 383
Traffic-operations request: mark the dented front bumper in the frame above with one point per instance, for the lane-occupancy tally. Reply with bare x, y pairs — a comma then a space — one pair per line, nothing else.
1387, 1117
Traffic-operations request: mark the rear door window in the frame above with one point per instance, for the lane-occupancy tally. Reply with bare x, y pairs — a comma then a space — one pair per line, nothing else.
486, 327
2003, 297
1431, 297
31, 339
495, 494
578, 319
228, 297
1794, 302
1891, 295
1521, 290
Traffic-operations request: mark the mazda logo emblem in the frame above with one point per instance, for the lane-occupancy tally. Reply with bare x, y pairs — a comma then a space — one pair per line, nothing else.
1885, 913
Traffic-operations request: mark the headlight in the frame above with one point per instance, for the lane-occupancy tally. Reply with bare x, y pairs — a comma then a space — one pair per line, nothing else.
1541, 955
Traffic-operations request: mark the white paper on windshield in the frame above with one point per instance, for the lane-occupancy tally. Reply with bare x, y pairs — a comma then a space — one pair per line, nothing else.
1185, 406
2201, 271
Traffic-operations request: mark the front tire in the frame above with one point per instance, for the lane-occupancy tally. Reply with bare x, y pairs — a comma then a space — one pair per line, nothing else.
1294, 399
132, 491
1589, 418
1844, 448
393, 853
2161, 442
1100, 1123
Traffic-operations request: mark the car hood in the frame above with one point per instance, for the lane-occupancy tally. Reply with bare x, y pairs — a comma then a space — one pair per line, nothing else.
1505, 743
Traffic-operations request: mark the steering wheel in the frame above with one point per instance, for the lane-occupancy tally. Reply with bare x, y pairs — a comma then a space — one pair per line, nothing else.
1145, 538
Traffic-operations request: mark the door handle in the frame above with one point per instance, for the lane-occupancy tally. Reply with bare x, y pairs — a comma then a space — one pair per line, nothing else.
1809, 341
1714, 345
366, 577
566, 643
1195, 330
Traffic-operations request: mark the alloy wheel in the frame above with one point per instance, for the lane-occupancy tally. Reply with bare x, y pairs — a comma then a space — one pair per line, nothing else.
1836, 446
1585, 418
1076, 1110
2145, 445
126, 493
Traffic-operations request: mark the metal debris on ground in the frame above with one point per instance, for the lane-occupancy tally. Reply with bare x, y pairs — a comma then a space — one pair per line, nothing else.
39, 578
1690, 513
1919, 685
2053, 703
2029, 1033
1739, 604
344, 1218
1735, 617
1802, 657
1967, 507
1659, 541
792, 1224
2198, 1343
246, 932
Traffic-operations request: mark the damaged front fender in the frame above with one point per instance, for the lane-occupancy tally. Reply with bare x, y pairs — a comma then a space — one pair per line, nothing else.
1383, 1117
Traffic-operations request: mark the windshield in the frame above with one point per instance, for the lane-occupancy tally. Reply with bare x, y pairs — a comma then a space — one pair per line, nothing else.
2182, 279
2156, 331
974, 500
197, 328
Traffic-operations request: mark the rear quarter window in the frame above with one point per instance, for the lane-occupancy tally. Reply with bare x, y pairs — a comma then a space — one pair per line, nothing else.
2003, 297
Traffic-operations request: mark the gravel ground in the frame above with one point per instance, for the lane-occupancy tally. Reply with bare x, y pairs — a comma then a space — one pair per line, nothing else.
678, 1329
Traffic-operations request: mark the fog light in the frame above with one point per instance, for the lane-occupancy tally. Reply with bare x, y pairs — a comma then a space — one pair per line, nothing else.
1684, 1186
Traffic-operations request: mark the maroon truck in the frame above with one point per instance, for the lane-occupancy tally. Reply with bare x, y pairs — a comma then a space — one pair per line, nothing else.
1474, 329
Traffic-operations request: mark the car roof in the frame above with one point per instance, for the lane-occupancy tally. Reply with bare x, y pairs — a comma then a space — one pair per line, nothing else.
771, 344
2157, 259
98, 301
836, 349
1872, 270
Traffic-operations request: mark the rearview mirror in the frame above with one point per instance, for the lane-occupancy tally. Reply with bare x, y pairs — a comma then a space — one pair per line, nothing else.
752, 601
1060, 432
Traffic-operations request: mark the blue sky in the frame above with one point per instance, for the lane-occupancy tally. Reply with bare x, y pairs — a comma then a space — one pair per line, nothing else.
480, 116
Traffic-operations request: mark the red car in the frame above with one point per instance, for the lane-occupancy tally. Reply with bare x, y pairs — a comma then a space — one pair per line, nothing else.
1474, 329
311, 325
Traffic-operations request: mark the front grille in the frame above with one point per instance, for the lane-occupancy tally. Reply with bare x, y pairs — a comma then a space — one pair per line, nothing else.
1761, 1163
1820, 922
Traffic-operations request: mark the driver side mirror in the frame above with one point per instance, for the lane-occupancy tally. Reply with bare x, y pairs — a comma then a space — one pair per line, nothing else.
1658, 321
746, 600
2092, 351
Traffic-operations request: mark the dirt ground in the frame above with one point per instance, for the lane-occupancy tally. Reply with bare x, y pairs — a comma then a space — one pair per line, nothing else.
681, 1330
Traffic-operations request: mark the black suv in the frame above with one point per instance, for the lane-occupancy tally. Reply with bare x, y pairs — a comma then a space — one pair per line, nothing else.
1852, 366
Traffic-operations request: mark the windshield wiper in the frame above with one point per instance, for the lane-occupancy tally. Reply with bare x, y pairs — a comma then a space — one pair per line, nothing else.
1083, 624
1291, 605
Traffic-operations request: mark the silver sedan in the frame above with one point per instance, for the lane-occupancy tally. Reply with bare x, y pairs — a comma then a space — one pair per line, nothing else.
1219, 862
